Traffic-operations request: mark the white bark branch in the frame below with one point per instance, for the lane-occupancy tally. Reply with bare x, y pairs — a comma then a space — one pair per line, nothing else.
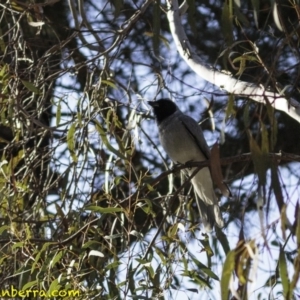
224, 81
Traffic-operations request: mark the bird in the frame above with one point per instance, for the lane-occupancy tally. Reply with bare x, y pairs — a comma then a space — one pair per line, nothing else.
182, 139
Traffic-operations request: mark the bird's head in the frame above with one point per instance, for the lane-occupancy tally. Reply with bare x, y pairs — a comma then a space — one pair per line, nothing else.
163, 108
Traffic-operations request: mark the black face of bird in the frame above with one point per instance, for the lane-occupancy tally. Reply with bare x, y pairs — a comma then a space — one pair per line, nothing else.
163, 108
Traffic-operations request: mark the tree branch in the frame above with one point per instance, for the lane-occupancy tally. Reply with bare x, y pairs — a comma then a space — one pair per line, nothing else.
224, 81
226, 161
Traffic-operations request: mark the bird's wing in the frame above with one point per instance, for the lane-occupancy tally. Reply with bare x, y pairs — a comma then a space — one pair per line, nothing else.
195, 131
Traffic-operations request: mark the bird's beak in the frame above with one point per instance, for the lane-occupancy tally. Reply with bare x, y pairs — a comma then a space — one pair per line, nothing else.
152, 103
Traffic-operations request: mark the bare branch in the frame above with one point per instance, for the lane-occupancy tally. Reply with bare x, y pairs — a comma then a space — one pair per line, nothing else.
224, 81
224, 161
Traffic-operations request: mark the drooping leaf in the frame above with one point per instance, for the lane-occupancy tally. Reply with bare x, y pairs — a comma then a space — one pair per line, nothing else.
242, 59
264, 139
255, 5
2, 43
283, 272
57, 257
223, 240
216, 170
38, 256
275, 184
277, 16
230, 110
109, 83
30, 86
205, 243
71, 142
54, 286
260, 160
104, 210
105, 141
58, 113
227, 18
240, 16
16, 159
296, 275
273, 127
30, 285
228, 268
204, 268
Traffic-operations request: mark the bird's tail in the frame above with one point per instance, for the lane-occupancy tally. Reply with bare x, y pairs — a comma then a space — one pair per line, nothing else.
206, 199
210, 215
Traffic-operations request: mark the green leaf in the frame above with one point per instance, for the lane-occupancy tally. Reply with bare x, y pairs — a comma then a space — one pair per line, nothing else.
29, 285
243, 59
150, 270
273, 122
18, 245
276, 186
255, 4
297, 217
196, 278
227, 17
156, 294
172, 232
205, 243
105, 141
264, 139
4, 228
16, 159
58, 113
2, 44
91, 244
240, 16
147, 206
163, 257
222, 239
242, 65
104, 210
109, 83
228, 268
260, 160
71, 142
37, 257
283, 272
113, 265
54, 286
57, 257
30, 87
296, 275
204, 268
59, 211
141, 261
4, 74
230, 107
131, 281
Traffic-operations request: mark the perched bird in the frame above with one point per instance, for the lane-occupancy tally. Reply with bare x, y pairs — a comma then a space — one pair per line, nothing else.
183, 140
